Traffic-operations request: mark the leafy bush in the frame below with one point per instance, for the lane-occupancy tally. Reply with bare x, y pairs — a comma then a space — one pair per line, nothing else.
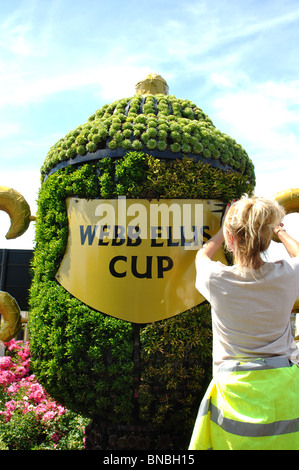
176, 365
29, 418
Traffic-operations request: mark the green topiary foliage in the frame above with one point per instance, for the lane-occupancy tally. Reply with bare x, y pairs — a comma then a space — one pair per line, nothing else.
89, 361
176, 362
152, 124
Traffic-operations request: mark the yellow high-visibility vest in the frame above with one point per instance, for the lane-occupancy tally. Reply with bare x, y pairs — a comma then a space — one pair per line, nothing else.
252, 406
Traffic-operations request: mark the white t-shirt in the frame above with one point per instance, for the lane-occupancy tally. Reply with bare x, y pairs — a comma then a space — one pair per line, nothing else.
250, 316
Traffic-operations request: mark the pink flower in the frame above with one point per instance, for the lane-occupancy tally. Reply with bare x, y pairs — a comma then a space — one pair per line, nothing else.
14, 345
48, 415
37, 396
40, 409
26, 408
5, 362
55, 437
28, 394
31, 378
61, 410
35, 387
6, 414
13, 388
10, 405
6, 377
52, 405
24, 354
21, 371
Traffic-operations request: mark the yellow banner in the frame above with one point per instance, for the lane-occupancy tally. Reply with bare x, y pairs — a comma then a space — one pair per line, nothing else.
133, 259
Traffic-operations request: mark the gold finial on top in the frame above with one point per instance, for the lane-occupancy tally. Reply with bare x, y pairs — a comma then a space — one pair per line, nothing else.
152, 85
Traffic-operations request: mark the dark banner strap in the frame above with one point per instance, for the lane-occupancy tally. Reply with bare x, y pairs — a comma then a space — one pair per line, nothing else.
119, 152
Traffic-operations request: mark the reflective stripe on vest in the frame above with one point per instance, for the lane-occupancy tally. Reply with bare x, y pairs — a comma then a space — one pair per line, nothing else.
241, 428
258, 364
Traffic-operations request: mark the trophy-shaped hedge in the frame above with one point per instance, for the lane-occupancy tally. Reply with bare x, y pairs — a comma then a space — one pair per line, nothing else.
140, 384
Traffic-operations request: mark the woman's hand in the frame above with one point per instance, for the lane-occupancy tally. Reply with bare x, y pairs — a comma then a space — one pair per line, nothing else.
278, 228
290, 244
210, 248
226, 211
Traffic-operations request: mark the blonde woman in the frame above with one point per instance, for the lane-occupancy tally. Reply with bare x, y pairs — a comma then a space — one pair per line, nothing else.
253, 399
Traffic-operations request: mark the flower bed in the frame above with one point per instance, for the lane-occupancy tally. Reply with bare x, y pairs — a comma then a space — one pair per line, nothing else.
29, 418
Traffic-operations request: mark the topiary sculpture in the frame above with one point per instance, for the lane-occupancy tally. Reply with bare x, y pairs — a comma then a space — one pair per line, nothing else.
141, 383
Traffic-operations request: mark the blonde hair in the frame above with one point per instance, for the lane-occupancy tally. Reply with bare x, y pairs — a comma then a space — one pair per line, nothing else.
251, 222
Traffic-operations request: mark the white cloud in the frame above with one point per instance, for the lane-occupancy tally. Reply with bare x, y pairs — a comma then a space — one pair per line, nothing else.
20, 46
8, 129
33, 88
222, 80
233, 20
264, 119
266, 115
266, 106
114, 78
119, 81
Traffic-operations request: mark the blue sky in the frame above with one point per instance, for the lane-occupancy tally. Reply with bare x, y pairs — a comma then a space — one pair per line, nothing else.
61, 60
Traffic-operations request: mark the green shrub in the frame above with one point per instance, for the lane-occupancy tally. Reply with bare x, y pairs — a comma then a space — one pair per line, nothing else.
29, 418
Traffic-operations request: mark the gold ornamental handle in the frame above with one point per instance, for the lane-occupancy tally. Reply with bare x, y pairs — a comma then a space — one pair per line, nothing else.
14, 204
289, 200
18, 210
10, 311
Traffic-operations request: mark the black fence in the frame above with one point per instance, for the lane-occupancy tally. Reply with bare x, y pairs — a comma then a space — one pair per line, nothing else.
15, 276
